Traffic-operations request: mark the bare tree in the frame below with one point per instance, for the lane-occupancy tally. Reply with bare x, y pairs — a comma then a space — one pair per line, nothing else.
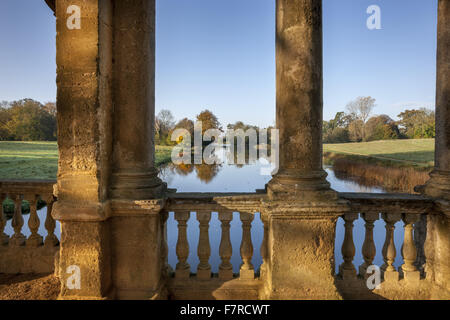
166, 121
361, 109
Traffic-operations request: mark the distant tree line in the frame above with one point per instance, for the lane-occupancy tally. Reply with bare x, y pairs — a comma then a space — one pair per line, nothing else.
165, 125
27, 120
356, 125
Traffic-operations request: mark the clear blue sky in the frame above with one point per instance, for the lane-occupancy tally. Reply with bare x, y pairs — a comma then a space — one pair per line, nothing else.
220, 54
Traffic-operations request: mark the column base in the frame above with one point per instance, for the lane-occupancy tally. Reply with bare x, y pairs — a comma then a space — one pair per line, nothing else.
310, 187
438, 186
137, 185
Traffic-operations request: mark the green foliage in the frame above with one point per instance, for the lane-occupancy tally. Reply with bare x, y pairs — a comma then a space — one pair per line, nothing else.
417, 124
381, 128
27, 120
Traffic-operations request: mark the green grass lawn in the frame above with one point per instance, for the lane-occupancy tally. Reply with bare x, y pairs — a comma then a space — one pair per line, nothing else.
418, 152
39, 160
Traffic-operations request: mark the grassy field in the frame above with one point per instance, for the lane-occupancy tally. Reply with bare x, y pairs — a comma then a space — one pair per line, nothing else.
416, 152
39, 160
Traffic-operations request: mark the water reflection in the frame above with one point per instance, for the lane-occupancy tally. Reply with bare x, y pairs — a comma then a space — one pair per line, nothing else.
227, 177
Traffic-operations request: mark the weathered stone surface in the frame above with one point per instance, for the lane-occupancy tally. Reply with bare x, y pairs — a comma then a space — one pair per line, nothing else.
25, 259
300, 103
134, 173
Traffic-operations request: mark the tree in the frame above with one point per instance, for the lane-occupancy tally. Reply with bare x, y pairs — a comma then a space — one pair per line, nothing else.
336, 130
50, 108
355, 130
209, 121
381, 128
416, 124
164, 123
27, 120
186, 124
360, 109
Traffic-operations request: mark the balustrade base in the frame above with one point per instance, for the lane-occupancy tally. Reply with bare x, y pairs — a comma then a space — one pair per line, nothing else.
182, 274
204, 274
347, 274
410, 276
247, 274
35, 241
391, 276
226, 274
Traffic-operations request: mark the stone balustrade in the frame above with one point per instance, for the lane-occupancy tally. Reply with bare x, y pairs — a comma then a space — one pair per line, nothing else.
203, 283
35, 253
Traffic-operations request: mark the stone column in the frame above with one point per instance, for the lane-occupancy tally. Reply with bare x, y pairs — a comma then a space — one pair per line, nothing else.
134, 173
300, 102
439, 184
84, 70
301, 210
136, 189
437, 265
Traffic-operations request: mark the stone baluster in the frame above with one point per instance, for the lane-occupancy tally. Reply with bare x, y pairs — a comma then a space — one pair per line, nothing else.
368, 248
225, 249
247, 270
164, 246
4, 238
389, 251
409, 251
264, 247
34, 240
347, 270
182, 249
204, 248
18, 239
50, 224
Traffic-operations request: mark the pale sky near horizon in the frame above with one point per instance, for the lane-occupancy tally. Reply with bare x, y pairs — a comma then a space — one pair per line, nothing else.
220, 55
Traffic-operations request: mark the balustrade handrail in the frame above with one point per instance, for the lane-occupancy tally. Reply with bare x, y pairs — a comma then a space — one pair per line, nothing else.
27, 186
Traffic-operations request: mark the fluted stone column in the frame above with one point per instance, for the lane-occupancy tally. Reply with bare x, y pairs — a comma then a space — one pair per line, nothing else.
437, 244
84, 70
301, 210
136, 190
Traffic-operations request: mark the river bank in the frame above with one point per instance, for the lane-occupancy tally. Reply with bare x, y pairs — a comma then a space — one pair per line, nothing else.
372, 172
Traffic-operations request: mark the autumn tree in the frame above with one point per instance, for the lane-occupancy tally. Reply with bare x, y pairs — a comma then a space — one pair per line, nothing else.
381, 128
209, 121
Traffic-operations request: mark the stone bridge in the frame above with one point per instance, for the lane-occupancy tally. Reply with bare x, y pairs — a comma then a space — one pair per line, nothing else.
113, 207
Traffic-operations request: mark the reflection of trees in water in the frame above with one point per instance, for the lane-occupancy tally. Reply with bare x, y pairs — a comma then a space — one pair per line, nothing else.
207, 172
183, 169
